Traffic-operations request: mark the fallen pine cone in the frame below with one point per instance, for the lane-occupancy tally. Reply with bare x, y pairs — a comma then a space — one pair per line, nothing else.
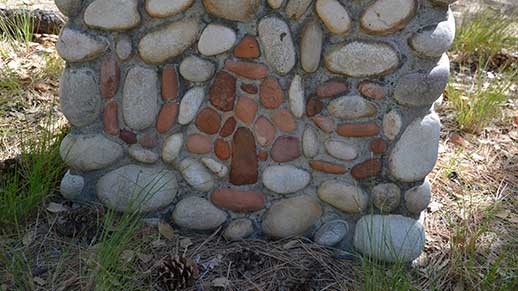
175, 273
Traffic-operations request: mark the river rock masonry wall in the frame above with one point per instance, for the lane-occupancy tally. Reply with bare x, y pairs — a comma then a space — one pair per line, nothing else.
269, 118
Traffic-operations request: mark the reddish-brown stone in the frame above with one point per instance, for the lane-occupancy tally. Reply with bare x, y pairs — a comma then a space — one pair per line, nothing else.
325, 123
228, 127
327, 167
244, 168
249, 88
457, 139
262, 155
246, 109
314, 107
332, 89
247, 70
208, 121
110, 120
110, 77
238, 201
128, 136
371, 90
222, 93
284, 120
167, 117
285, 149
271, 93
149, 140
247, 48
198, 144
378, 146
222, 149
367, 169
170, 85
358, 129
264, 131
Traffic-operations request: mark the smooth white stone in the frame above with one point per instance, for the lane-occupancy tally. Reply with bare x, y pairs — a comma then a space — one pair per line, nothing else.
311, 46
392, 124
140, 99
418, 198
75, 46
172, 147
142, 155
196, 175
388, 16
285, 179
89, 152
215, 167
296, 97
113, 15
196, 69
198, 214
345, 197
296, 8
166, 8
190, 105
236, 10
216, 39
341, 150
310, 144
334, 15
277, 43
351, 107
71, 186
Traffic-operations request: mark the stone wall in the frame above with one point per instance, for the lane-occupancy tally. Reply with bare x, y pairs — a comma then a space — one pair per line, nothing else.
270, 118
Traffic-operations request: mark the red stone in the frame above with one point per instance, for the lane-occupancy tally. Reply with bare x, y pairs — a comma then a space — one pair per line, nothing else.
262, 155
222, 149
110, 77
367, 169
170, 85
326, 124
264, 131
456, 139
284, 120
110, 119
167, 117
247, 70
246, 109
208, 121
238, 201
331, 89
198, 144
249, 88
378, 146
285, 149
149, 140
314, 107
327, 167
358, 129
244, 168
222, 93
247, 48
271, 93
371, 90
228, 127
128, 136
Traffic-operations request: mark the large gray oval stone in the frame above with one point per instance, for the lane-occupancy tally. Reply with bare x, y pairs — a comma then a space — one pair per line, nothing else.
198, 214
415, 154
345, 197
390, 238
137, 188
418, 198
113, 15
79, 96
140, 98
434, 40
277, 43
76, 46
89, 152
285, 179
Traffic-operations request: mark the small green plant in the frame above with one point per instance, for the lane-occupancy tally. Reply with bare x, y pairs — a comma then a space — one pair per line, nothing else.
53, 67
18, 29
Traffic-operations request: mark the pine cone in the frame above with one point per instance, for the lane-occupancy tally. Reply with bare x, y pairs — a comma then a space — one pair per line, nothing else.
246, 261
175, 273
81, 222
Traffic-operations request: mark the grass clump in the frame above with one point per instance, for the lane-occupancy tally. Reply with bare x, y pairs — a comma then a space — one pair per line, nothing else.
18, 28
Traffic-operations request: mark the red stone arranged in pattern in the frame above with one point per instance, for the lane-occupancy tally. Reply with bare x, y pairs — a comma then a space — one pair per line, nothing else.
167, 117
170, 84
111, 123
244, 168
326, 124
284, 120
247, 70
208, 121
228, 127
331, 89
358, 129
378, 146
264, 131
371, 90
238, 201
128, 136
367, 169
110, 77
198, 144
271, 94
314, 106
247, 48
222, 93
327, 167
285, 149
222, 149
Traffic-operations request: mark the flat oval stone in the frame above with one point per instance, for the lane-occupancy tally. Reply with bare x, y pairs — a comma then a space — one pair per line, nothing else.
434, 40
238, 201
110, 77
69, 8
222, 149
168, 41
238, 229
190, 105
170, 83
244, 168
172, 147
215, 167
208, 121
89, 152
291, 217
351, 107
283, 119
325, 123
247, 48
314, 106
71, 186
334, 15
275, 4
327, 167
264, 131
371, 89
128, 137
249, 88
423, 88
246, 109
140, 98
142, 155
113, 15
296, 8
418, 198
237, 10
123, 47
133, 187
331, 233
310, 144
76, 46
362, 59
386, 197
388, 16
222, 93
79, 96
279, 50
345, 197
285, 179
392, 124
149, 140
416, 152
331, 89
198, 144
196, 175
247, 70
167, 117
378, 146
296, 97
271, 93
216, 39
196, 69
341, 150
369, 168
358, 129
166, 8
285, 149
390, 238
228, 127
198, 214
311, 46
